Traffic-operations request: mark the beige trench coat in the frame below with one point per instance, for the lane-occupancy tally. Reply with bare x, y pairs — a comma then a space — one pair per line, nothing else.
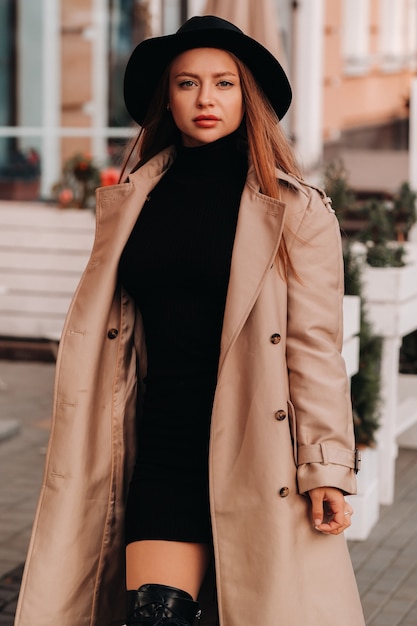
272, 567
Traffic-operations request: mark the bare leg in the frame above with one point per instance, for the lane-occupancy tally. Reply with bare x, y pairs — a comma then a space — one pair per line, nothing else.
174, 563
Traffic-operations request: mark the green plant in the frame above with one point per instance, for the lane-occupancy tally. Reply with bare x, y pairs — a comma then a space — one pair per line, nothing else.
365, 384
337, 187
404, 211
379, 236
382, 224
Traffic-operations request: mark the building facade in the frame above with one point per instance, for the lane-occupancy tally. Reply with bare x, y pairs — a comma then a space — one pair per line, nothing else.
351, 63
370, 60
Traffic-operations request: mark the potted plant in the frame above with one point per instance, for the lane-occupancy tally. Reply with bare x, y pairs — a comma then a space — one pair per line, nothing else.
365, 384
81, 176
79, 180
390, 293
366, 406
20, 177
382, 220
404, 211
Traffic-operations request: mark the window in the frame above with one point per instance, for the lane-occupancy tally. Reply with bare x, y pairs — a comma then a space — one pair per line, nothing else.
7, 87
356, 36
393, 34
128, 25
20, 44
7, 62
174, 13
131, 21
51, 106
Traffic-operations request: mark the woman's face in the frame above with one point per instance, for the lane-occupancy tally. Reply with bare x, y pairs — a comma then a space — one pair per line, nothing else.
205, 96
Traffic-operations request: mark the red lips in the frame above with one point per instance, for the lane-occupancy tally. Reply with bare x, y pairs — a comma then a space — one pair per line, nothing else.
200, 118
206, 121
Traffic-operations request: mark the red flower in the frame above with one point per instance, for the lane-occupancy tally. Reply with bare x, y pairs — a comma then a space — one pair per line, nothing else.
65, 196
109, 176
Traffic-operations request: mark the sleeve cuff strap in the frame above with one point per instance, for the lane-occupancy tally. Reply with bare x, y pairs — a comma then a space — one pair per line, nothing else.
325, 454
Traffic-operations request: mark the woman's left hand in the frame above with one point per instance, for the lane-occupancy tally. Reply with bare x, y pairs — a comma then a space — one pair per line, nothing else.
330, 511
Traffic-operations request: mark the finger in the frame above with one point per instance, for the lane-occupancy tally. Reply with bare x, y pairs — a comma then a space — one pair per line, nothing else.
331, 527
334, 521
339, 517
338, 506
317, 507
334, 527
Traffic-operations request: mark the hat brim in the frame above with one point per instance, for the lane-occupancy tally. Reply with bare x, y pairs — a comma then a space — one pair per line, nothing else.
150, 58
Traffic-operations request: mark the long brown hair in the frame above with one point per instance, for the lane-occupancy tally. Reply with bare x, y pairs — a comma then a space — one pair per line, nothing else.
158, 131
268, 147
267, 144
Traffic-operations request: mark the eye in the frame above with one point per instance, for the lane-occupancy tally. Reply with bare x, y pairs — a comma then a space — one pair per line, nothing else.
225, 83
186, 84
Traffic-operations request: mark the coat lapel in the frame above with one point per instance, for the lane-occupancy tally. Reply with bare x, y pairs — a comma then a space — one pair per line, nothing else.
119, 206
258, 233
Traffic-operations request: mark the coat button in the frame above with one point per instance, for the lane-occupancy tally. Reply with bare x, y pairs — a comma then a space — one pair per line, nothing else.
275, 338
112, 334
280, 415
284, 492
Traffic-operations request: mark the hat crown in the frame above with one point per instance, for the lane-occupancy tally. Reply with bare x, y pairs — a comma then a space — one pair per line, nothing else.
206, 22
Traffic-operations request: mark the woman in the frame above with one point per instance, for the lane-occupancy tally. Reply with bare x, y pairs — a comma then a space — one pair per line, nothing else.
208, 322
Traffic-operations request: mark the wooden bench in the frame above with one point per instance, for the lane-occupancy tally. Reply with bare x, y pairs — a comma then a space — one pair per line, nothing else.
43, 251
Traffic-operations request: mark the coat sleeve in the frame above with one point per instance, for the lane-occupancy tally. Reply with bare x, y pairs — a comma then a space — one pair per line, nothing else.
319, 386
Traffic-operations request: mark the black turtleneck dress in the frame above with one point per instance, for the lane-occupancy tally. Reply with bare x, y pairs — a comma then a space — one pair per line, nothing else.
176, 266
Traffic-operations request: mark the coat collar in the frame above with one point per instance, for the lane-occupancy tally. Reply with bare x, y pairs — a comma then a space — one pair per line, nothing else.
118, 207
258, 234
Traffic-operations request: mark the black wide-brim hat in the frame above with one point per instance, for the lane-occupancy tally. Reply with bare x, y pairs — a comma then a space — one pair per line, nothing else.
150, 58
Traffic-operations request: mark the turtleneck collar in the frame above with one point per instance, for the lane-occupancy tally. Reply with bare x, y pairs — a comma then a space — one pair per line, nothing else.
222, 158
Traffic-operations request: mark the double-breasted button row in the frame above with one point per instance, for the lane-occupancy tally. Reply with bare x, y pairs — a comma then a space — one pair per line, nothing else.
112, 333
275, 338
280, 415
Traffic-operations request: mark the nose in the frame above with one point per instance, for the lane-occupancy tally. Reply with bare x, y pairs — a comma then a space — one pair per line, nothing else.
205, 97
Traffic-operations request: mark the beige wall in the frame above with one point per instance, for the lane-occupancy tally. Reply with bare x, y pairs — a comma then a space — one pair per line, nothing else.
373, 98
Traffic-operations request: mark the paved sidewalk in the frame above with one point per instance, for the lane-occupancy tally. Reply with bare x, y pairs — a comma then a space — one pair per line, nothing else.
25, 401
385, 564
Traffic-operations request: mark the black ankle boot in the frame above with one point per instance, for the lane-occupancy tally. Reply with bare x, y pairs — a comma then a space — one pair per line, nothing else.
159, 605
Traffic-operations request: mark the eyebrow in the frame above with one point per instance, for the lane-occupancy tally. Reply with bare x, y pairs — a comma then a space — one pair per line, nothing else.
216, 75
